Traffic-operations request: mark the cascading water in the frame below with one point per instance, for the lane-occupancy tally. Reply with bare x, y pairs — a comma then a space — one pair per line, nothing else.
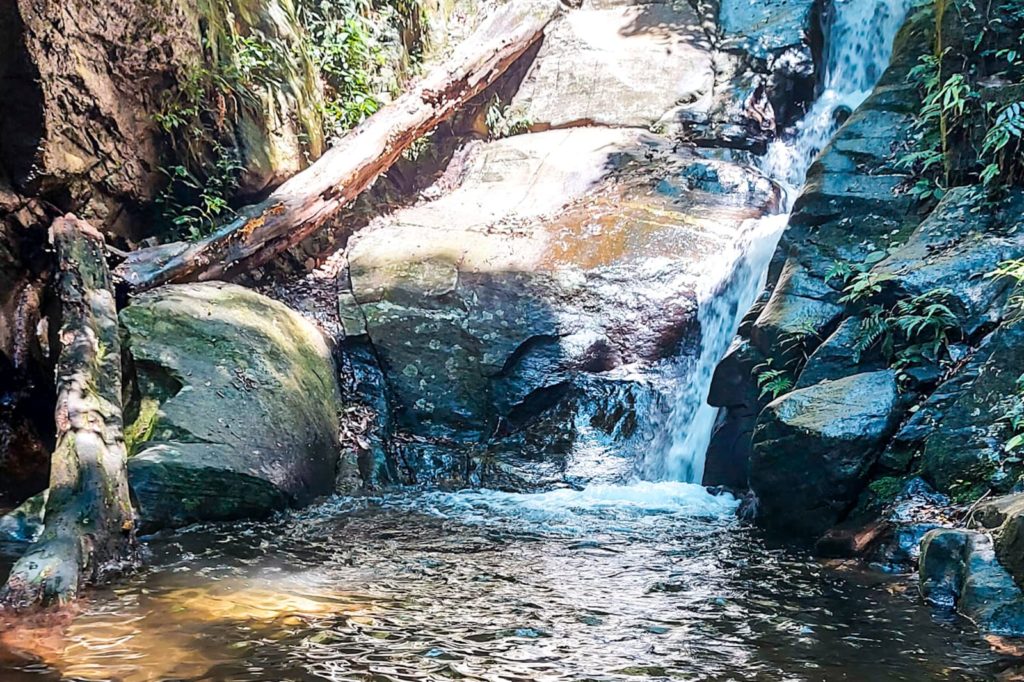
859, 48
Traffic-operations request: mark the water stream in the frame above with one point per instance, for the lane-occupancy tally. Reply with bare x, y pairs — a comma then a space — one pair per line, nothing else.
859, 48
648, 581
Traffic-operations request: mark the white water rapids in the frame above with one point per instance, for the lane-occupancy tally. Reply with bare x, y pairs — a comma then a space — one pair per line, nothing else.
859, 48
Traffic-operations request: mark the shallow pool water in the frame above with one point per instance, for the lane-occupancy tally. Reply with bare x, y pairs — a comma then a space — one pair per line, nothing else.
643, 582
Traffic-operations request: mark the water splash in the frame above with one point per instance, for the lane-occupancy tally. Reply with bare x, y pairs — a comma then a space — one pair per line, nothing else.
859, 50
721, 303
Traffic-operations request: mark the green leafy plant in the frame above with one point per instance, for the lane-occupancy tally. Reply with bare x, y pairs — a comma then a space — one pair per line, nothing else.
771, 381
863, 286
1014, 417
1014, 270
1002, 144
913, 332
961, 85
350, 42
196, 206
505, 121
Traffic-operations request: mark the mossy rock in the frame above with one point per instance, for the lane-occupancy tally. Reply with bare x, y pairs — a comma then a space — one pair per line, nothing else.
235, 405
963, 452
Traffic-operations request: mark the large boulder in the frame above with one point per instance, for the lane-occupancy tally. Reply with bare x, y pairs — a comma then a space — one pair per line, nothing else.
963, 446
587, 69
528, 317
814, 447
235, 407
729, 78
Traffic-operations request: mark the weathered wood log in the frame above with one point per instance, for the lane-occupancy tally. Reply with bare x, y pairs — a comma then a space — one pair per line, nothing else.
297, 208
89, 528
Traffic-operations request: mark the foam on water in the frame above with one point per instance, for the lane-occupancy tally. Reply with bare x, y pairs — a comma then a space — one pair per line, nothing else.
641, 498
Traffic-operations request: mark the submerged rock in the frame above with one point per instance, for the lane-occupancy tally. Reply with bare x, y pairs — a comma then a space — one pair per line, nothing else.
235, 407
959, 569
25, 523
1004, 518
814, 447
528, 316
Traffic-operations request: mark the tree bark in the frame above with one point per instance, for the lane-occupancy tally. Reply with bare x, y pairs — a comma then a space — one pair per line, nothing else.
296, 209
89, 528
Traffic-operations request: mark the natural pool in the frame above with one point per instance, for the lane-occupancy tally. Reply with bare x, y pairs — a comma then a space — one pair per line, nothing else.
654, 581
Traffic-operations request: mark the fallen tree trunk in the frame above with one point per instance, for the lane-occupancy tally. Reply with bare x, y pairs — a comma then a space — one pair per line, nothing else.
89, 529
296, 209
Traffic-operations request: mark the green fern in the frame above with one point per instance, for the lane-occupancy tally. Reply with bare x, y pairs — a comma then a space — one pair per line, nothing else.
773, 382
874, 325
840, 270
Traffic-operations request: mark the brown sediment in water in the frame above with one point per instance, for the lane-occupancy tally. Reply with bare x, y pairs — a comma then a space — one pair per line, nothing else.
160, 634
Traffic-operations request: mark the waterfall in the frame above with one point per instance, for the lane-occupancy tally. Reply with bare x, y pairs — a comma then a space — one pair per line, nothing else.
858, 50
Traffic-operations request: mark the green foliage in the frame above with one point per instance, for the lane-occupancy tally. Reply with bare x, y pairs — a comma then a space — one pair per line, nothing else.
966, 132
349, 42
772, 382
1014, 418
914, 331
974, 482
794, 346
504, 121
1013, 269
863, 286
1002, 144
196, 206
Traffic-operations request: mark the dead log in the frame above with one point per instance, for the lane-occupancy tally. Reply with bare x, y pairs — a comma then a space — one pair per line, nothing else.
297, 208
89, 529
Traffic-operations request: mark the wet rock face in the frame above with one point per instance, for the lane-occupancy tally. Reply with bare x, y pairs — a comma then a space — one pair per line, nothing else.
814, 447
848, 210
959, 569
527, 316
89, 79
587, 70
965, 439
235, 407
728, 79
26, 391
772, 48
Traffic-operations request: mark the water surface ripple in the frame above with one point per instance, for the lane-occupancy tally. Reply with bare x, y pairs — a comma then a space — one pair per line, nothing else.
654, 581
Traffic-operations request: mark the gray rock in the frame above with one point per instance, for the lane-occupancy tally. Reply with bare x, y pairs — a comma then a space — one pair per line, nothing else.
530, 311
836, 358
587, 69
959, 568
963, 448
966, 237
813, 449
1004, 517
236, 406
